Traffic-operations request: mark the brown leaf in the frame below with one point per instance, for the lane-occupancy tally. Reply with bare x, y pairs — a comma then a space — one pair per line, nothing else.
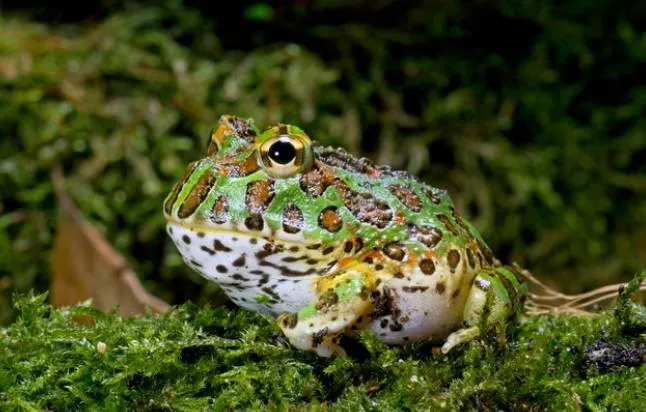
84, 265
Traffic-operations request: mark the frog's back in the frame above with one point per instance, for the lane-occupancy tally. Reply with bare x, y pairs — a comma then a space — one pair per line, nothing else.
425, 254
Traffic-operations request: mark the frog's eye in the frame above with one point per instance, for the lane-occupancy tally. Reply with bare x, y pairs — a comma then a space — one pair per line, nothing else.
285, 151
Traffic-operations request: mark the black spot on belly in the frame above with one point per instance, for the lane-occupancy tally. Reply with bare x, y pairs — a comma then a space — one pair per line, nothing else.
239, 262
186, 239
218, 246
440, 288
221, 268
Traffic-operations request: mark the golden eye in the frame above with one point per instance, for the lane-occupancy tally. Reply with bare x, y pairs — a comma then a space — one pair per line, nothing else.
284, 151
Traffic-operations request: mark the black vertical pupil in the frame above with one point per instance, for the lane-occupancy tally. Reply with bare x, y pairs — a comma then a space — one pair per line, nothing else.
282, 152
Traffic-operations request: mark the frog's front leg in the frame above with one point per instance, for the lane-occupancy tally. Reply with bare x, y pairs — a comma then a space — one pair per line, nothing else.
493, 298
341, 299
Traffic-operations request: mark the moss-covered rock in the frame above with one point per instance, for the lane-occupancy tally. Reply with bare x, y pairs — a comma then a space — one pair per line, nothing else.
229, 359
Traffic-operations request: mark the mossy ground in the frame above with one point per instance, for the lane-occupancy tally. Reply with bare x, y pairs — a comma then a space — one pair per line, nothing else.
194, 358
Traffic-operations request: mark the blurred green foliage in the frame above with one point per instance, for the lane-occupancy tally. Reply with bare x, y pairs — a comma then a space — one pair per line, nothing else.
530, 114
196, 358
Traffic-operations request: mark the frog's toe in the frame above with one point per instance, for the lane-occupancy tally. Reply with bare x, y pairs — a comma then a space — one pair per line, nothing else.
459, 337
311, 335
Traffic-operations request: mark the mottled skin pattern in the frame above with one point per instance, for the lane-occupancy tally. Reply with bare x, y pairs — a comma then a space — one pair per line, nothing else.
329, 244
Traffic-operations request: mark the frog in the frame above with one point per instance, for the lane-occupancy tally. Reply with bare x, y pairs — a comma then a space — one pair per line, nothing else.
328, 245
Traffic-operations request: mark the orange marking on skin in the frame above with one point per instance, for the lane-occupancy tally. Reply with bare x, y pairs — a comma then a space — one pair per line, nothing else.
375, 255
399, 219
374, 173
429, 253
412, 260
346, 262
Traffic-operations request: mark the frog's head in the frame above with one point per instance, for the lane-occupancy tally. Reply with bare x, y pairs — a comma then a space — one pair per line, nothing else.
255, 194
244, 173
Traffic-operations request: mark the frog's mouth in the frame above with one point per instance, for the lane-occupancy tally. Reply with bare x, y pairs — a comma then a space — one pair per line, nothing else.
208, 249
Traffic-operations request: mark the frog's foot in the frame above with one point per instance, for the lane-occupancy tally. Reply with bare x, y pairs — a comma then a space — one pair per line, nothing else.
342, 299
493, 298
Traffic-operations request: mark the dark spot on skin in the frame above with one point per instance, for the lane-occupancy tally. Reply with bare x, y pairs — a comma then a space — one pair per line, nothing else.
365, 207
256, 272
471, 258
383, 323
330, 220
326, 300
394, 250
254, 222
384, 303
407, 196
238, 276
368, 259
271, 293
195, 263
317, 338
220, 210
358, 244
313, 247
434, 198
398, 275
460, 221
264, 279
292, 219
330, 265
258, 196
488, 255
198, 194
413, 289
379, 267
218, 246
291, 259
440, 288
316, 181
312, 261
428, 235
186, 239
253, 240
447, 223
200, 234
294, 249
208, 250
239, 261
453, 258
427, 266
456, 293
328, 250
290, 321
347, 248
396, 326
221, 268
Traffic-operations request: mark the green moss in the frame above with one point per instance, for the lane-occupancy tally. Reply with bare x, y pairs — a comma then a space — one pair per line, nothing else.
521, 130
223, 359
